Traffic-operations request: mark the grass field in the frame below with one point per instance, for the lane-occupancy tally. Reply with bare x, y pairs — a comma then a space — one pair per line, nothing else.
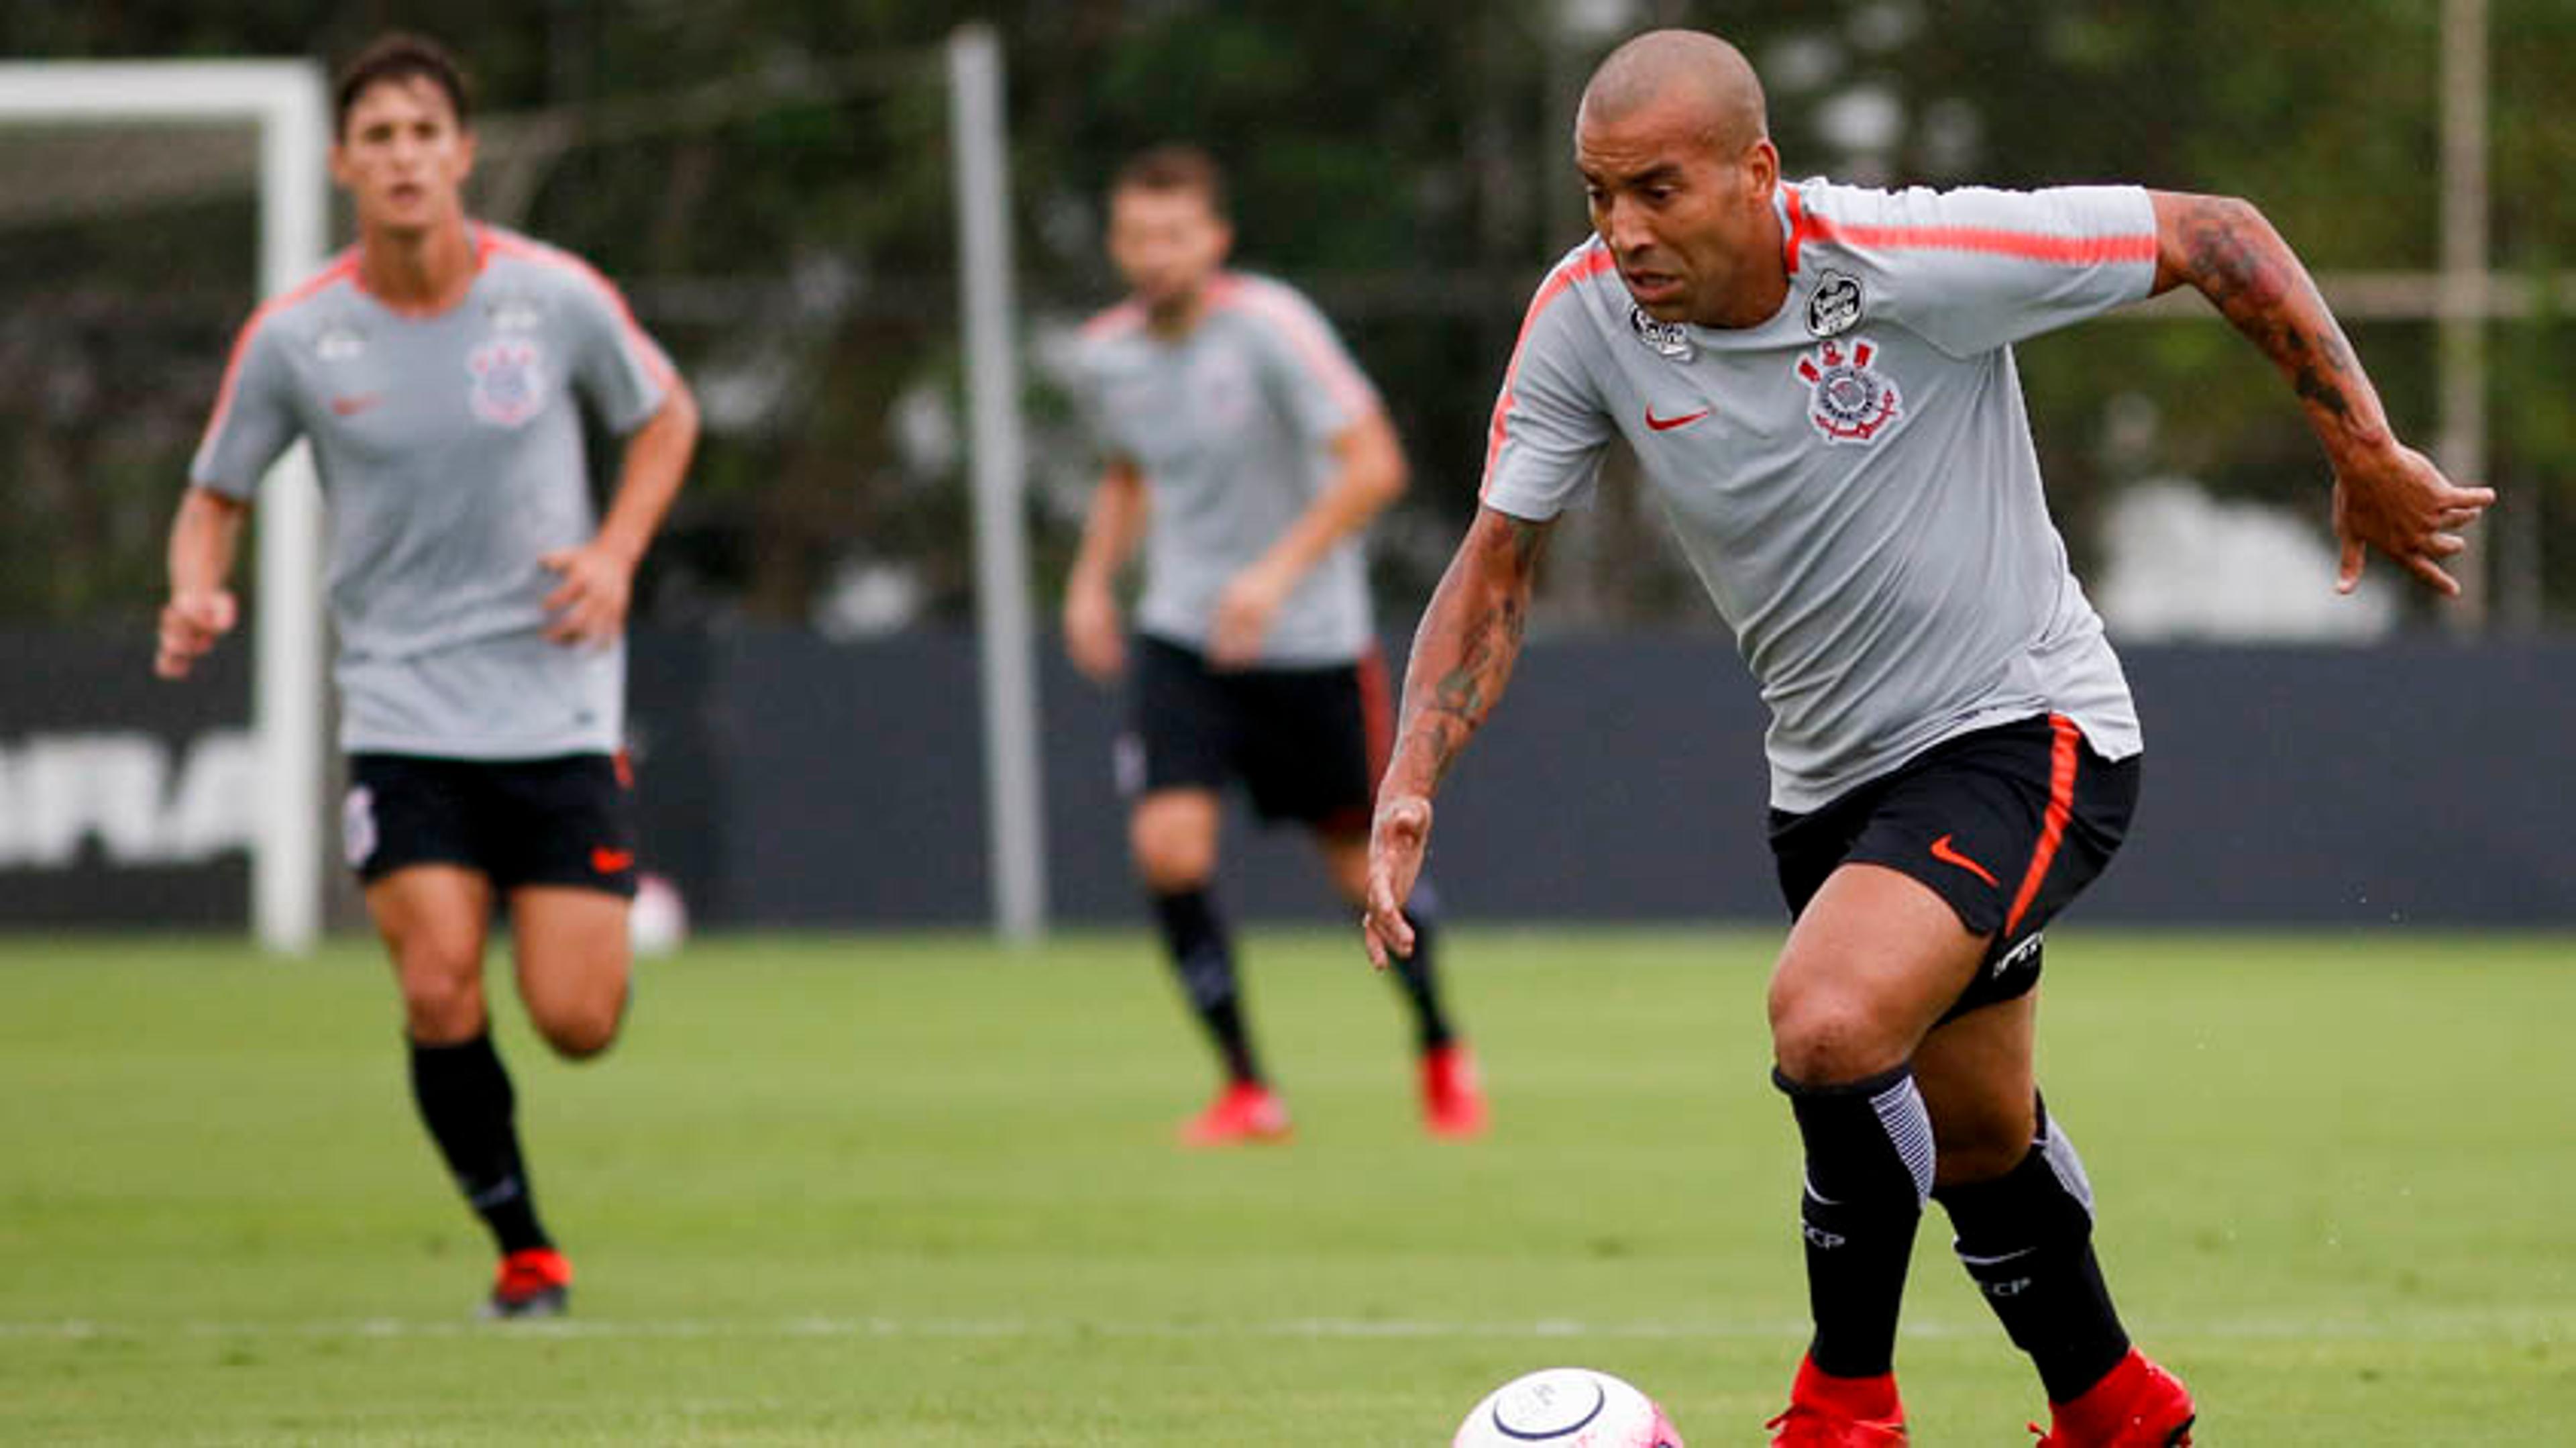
917, 1191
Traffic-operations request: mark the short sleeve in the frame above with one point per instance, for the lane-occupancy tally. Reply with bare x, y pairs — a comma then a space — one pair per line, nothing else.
1974, 269
1304, 363
1544, 448
254, 418
619, 367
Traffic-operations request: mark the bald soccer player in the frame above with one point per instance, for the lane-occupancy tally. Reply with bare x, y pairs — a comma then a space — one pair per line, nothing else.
1246, 453
1818, 383
436, 369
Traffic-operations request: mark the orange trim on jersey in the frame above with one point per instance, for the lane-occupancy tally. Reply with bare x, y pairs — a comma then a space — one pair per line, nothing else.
1591, 261
1124, 317
1987, 240
511, 244
342, 268
1313, 345
1377, 711
1797, 232
2062, 757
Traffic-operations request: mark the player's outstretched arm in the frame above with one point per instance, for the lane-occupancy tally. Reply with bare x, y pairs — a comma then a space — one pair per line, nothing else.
1093, 636
2387, 496
203, 540
1370, 474
1463, 654
589, 605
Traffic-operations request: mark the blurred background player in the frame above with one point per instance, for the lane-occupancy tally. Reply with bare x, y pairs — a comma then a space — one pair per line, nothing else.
1246, 451
480, 604
1818, 382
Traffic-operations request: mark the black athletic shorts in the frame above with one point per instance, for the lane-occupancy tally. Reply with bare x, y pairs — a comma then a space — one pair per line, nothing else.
563, 821
1308, 744
2006, 824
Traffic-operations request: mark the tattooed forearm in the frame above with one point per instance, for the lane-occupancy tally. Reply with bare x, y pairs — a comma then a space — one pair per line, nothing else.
1464, 652
2224, 248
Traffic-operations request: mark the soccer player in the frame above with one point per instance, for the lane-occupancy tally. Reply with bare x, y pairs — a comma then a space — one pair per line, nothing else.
1246, 452
1818, 382
480, 604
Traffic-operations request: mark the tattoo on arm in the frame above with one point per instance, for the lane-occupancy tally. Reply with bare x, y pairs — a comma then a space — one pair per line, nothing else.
2241, 264
1470, 640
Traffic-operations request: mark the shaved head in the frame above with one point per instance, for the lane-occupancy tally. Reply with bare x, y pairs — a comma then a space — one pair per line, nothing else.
1690, 69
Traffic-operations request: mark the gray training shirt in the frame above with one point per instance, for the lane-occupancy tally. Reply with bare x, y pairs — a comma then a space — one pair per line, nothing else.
1231, 428
1853, 479
450, 453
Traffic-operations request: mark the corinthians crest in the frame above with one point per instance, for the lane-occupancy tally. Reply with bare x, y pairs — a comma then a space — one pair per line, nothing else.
509, 381
1849, 401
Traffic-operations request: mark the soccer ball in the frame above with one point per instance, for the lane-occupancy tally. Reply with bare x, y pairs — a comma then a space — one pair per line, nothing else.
658, 921
1567, 1408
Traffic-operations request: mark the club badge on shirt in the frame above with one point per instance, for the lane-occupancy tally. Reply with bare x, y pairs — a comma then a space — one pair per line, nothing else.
1848, 400
509, 381
1669, 340
1834, 308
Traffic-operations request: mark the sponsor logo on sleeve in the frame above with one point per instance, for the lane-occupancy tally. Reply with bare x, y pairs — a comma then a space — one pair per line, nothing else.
1848, 399
1668, 340
509, 381
1834, 307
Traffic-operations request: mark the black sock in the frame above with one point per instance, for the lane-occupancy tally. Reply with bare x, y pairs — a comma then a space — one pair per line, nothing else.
464, 1097
1869, 1169
2027, 1239
1416, 974
1202, 955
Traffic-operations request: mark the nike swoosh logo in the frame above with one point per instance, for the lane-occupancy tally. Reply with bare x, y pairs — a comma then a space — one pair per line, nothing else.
1943, 851
608, 862
1667, 424
352, 406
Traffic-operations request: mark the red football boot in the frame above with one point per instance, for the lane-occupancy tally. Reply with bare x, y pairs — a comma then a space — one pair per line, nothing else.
1453, 1099
1831, 1412
1245, 1111
2138, 1405
536, 1282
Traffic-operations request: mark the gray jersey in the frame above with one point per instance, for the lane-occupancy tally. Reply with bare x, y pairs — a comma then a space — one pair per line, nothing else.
1231, 428
450, 453
1853, 479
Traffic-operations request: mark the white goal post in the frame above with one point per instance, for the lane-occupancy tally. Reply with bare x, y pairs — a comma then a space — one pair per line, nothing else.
287, 101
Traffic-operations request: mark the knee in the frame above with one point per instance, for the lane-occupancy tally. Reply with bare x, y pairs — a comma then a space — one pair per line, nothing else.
579, 1030
442, 988
1170, 857
1823, 1037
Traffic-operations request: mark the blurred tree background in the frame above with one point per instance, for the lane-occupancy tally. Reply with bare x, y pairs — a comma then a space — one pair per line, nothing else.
769, 179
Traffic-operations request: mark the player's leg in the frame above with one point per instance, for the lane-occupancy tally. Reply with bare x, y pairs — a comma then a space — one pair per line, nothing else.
574, 964
1874, 960
1452, 1093
408, 826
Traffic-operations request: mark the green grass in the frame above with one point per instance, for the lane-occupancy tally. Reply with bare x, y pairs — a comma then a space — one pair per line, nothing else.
918, 1191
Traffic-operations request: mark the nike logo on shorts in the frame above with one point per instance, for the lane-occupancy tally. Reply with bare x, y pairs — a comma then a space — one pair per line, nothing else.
608, 862
1947, 854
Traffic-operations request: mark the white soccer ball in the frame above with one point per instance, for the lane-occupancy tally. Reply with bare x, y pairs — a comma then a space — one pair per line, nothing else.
1567, 1408
658, 921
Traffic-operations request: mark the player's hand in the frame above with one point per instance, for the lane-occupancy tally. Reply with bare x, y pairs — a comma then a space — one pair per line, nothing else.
191, 622
1397, 839
1093, 636
1243, 614
589, 606
2394, 499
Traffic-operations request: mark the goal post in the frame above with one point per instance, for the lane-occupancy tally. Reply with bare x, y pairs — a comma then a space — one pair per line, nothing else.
286, 101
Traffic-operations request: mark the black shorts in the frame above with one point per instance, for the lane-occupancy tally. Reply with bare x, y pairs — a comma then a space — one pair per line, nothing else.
563, 821
2006, 824
1308, 744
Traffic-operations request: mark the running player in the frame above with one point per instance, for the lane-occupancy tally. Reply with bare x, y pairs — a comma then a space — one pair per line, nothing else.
1246, 452
1818, 382
480, 604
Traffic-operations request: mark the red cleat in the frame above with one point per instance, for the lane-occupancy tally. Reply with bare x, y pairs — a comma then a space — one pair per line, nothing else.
1453, 1100
1830, 1412
1246, 1111
536, 1282
2138, 1405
